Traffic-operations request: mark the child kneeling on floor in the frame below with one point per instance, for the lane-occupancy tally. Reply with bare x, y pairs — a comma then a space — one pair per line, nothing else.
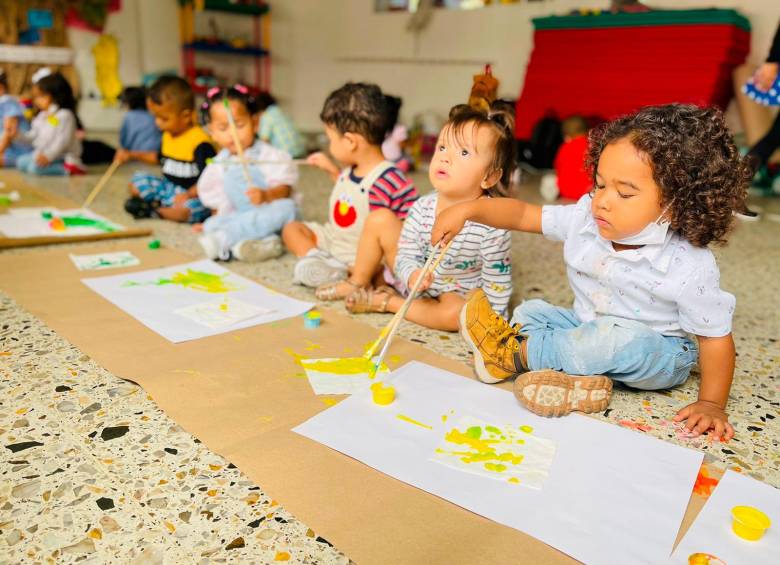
356, 121
666, 182
249, 216
473, 160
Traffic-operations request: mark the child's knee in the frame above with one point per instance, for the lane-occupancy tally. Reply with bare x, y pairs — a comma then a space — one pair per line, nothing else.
530, 311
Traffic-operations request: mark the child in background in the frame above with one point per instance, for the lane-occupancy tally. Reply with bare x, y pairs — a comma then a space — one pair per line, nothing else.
139, 136
393, 145
666, 182
249, 216
184, 149
12, 121
56, 147
474, 160
570, 180
276, 128
355, 118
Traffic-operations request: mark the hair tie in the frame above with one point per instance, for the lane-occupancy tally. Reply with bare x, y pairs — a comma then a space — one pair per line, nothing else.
213, 91
241, 88
205, 105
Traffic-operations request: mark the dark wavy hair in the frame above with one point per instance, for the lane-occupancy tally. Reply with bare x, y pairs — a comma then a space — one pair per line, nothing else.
702, 177
357, 107
500, 118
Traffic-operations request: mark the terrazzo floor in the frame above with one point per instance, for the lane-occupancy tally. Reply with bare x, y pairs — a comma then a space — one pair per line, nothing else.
93, 471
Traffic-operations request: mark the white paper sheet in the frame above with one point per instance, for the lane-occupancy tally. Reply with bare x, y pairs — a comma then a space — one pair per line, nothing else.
506, 453
30, 222
711, 531
221, 313
153, 297
612, 495
339, 376
100, 261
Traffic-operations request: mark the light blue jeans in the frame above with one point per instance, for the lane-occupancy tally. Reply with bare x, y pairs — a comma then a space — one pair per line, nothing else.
624, 350
257, 222
26, 164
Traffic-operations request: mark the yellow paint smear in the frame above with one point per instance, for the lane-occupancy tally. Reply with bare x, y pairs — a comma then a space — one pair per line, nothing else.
345, 366
413, 421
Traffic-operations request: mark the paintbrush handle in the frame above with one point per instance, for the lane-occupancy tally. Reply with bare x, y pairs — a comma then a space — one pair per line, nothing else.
101, 183
395, 319
237, 142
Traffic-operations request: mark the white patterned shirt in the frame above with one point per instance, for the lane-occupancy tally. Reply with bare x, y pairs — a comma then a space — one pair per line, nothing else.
478, 257
672, 287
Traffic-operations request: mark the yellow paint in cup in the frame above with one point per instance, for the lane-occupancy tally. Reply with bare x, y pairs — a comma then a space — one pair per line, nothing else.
382, 394
749, 523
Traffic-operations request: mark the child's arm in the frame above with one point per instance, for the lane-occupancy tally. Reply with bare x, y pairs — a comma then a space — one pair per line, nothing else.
716, 359
259, 196
321, 161
505, 213
148, 157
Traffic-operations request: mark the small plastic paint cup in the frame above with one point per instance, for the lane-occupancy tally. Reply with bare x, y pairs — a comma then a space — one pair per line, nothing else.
704, 559
749, 523
312, 319
154, 244
382, 394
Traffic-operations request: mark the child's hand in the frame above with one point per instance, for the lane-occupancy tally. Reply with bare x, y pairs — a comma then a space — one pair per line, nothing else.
121, 156
765, 76
424, 285
448, 224
256, 196
41, 160
197, 228
702, 416
181, 198
321, 161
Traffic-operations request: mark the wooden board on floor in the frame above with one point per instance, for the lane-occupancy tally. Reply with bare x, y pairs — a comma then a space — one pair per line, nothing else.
241, 393
33, 197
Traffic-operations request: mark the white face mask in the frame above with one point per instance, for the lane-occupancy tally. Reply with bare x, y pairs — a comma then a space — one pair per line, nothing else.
653, 233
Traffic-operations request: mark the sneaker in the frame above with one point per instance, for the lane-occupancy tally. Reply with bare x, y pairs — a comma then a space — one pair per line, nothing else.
214, 246
553, 393
139, 208
256, 250
493, 341
318, 267
74, 169
748, 215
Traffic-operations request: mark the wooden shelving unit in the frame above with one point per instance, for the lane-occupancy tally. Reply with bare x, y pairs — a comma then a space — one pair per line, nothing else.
258, 50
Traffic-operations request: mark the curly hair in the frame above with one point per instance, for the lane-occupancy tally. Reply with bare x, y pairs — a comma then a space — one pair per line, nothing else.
500, 118
695, 163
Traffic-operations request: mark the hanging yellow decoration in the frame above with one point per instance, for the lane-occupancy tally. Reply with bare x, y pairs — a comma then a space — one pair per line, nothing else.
106, 53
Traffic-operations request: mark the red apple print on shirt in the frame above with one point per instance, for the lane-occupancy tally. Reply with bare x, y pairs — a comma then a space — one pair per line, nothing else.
344, 213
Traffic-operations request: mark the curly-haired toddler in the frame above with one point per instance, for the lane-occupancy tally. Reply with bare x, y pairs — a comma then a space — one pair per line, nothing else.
648, 303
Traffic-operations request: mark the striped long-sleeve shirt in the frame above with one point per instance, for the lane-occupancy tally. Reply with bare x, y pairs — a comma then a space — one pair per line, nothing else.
478, 258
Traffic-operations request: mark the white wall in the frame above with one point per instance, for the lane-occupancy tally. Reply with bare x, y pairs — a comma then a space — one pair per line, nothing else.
147, 32
316, 46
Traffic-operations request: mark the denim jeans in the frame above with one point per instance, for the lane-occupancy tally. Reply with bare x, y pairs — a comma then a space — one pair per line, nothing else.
256, 222
623, 350
26, 164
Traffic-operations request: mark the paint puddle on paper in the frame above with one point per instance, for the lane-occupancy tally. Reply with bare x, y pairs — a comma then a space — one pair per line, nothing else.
193, 280
46, 222
704, 559
100, 261
505, 453
340, 376
221, 313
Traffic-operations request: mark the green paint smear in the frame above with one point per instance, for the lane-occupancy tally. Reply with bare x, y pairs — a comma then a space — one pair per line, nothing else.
474, 432
493, 430
526, 429
78, 222
195, 280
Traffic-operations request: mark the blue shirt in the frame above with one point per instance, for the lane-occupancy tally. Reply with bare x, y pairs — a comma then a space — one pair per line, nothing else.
139, 132
279, 131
